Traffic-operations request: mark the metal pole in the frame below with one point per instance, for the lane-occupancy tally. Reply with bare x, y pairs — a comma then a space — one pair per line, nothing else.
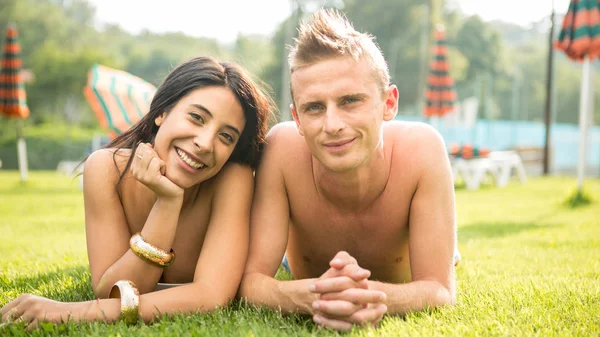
515, 108
21, 151
425, 31
284, 105
548, 108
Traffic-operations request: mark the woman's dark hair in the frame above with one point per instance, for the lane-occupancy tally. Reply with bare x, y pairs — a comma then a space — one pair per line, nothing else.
204, 72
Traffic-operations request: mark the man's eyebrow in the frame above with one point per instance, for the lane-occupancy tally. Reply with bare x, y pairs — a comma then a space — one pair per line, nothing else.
203, 108
356, 95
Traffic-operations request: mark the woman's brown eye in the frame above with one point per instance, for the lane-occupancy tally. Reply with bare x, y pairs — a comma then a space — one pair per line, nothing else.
197, 117
228, 137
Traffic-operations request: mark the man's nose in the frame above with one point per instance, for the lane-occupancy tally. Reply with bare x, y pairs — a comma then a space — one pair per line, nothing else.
333, 120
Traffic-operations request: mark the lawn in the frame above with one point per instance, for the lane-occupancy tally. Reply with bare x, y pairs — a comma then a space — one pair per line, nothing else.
531, 266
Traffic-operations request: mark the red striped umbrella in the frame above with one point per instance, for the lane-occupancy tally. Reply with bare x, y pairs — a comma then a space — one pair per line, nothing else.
580, 34
13, 101
440, 93
118, 99
580, 40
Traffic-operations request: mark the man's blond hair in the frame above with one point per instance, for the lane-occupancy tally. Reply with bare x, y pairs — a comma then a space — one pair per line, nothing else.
329, 34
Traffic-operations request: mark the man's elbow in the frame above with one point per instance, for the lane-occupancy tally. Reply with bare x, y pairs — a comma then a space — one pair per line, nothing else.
245, 289
444, 297
252, 283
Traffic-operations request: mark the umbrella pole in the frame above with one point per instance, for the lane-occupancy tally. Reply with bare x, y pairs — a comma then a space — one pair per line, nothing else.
585, 105
21, 151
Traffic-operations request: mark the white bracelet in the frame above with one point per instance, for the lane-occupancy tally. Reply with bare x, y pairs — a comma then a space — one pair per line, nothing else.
130, 300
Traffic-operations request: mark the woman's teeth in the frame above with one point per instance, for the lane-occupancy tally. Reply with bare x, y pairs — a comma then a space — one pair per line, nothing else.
189, 160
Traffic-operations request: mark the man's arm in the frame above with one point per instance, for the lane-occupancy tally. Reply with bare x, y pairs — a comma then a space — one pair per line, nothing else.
432, 233
269, 225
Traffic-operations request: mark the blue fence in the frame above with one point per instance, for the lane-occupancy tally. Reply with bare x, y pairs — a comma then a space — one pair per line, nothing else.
500, 135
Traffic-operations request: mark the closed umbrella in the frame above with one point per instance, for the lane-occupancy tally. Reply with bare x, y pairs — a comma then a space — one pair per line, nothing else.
13, 103
118, 99
579, 38
440, 93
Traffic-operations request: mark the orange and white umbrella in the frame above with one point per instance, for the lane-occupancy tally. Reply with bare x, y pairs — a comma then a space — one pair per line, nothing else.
118, 98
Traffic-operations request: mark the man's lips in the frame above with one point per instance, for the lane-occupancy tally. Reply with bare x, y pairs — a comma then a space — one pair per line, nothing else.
338, 143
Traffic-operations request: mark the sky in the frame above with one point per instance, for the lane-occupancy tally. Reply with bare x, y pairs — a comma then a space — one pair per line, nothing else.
225, 19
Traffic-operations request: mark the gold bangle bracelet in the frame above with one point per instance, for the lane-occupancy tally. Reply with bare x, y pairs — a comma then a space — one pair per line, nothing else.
130, 300
149, 252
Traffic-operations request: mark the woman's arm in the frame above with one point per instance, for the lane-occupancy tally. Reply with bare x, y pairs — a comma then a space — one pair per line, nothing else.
222, 258
108, 234
216, 279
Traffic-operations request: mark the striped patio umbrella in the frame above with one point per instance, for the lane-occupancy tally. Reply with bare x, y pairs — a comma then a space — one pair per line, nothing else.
118, 99
440, 93
579, 39
13, 102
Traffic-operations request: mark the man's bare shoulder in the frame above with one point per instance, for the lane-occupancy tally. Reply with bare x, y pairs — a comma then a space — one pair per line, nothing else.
285, 140
414, 134
416, 142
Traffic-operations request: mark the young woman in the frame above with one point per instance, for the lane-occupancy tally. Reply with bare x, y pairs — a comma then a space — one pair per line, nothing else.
167, 203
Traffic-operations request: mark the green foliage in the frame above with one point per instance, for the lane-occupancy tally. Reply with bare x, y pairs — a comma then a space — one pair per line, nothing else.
529, 267
60, 44
502, 64
47, 144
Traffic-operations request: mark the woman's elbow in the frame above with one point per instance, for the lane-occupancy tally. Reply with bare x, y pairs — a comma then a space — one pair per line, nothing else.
101, 290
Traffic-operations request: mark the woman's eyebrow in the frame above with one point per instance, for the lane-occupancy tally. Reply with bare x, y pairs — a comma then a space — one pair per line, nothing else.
203, 108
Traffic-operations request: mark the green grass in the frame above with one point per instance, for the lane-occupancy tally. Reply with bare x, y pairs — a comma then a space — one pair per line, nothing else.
531, 266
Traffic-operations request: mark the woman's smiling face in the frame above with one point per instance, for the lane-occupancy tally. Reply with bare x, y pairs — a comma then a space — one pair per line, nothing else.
196, 138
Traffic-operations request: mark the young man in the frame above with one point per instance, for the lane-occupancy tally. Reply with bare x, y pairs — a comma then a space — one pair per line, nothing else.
363, 206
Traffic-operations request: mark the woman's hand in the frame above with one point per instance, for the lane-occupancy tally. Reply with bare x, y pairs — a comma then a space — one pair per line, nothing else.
32, 310
149, 169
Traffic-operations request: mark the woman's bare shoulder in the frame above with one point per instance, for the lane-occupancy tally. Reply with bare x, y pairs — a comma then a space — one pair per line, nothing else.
232, 174
105, 165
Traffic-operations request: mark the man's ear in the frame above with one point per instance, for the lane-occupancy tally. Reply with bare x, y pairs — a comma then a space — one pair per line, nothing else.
296, 119
391, 103
159, 120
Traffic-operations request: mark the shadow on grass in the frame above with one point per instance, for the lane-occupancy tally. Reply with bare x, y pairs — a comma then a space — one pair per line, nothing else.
66, 284
498, 229
577, 199
460, 186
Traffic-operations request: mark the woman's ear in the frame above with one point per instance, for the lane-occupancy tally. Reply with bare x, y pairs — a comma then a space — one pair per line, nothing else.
159, 120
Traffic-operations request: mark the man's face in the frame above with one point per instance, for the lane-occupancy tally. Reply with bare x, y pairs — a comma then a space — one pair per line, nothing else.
339, 109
